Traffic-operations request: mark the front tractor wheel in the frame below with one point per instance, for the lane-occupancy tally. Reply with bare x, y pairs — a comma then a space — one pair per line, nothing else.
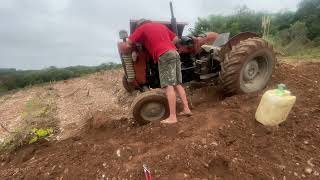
150, 106
248, 66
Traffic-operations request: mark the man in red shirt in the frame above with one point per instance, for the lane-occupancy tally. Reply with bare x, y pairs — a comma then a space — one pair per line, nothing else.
160, 43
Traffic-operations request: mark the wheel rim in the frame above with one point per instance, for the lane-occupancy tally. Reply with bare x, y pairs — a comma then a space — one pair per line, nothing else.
152, 111
255, 73
251, 70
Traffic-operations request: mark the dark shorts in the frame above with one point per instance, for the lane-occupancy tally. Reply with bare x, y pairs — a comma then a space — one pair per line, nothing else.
170, 69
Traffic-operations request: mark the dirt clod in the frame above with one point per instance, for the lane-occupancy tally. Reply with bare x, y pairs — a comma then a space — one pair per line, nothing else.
308, 170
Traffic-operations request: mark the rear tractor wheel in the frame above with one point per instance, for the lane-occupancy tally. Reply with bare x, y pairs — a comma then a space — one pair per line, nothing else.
150, 106
247, 68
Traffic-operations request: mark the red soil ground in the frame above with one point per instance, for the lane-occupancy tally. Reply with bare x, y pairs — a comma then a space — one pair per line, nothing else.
221, 141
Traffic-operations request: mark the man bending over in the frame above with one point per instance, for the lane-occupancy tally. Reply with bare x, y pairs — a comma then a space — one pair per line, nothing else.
160, 43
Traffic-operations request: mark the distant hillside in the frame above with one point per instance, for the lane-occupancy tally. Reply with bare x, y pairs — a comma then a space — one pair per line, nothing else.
11, 78
7, 70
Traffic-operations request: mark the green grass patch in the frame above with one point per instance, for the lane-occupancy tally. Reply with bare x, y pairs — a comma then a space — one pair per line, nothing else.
38, 123
310, 53
38, 134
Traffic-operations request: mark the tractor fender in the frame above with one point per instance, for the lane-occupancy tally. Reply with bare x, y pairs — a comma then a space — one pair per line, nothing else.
236, 40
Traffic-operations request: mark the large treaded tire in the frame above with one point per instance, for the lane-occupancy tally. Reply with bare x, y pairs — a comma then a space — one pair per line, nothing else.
234, 66
153, 97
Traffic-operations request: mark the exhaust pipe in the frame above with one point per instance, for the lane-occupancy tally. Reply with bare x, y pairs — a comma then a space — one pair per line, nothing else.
174, 26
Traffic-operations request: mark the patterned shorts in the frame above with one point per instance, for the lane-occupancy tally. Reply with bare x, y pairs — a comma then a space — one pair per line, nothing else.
170, 69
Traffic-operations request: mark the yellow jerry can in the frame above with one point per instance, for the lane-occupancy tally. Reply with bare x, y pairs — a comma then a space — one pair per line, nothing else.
275, 105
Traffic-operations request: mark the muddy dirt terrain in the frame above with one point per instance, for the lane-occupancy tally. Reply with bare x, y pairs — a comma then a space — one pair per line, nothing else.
221, 141
74, 101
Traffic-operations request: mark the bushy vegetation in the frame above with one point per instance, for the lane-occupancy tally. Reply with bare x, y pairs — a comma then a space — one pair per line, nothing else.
13, 79
290, 32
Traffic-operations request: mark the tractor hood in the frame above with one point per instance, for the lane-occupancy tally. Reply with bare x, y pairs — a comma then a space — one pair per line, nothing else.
133, 25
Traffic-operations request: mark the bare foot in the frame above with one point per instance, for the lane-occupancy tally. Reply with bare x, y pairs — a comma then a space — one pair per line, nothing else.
185, 113
168, 121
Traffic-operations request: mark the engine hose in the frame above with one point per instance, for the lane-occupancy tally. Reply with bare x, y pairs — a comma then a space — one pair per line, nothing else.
128, 61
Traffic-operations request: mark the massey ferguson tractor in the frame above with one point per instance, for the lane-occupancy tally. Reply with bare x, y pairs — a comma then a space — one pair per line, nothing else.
240, 64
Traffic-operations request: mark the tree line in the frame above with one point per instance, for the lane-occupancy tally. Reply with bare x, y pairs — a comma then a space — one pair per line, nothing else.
289, 31
12, 79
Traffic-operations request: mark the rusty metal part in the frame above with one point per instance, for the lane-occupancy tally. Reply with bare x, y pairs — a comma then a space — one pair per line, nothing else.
128, 62
236, 40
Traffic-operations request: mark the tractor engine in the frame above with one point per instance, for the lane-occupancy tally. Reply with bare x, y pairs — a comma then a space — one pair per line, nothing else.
199, 56
206, 65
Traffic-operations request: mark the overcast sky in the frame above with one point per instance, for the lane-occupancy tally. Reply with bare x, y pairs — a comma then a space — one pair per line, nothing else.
36, 34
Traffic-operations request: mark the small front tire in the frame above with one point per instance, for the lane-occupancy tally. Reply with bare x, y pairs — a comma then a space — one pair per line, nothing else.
150, 106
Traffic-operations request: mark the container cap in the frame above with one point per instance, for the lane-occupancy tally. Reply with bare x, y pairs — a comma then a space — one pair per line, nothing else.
281, 89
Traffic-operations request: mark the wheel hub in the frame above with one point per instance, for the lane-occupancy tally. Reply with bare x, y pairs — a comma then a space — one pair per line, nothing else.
251, 70
152, 111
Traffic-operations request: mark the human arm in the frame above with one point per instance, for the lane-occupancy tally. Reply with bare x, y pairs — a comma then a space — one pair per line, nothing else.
130, 43
175, 40
136, 37
173, 37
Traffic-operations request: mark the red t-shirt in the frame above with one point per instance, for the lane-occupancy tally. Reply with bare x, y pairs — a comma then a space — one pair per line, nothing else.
155, 37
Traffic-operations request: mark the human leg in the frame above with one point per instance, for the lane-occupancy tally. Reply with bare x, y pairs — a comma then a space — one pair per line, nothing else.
182, 93
167, 75
180, 89
171, 96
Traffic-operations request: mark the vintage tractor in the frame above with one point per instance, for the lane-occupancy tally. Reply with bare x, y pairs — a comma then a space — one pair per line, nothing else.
241, 64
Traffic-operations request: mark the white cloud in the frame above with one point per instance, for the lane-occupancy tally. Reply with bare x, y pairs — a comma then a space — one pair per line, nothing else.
37, 34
